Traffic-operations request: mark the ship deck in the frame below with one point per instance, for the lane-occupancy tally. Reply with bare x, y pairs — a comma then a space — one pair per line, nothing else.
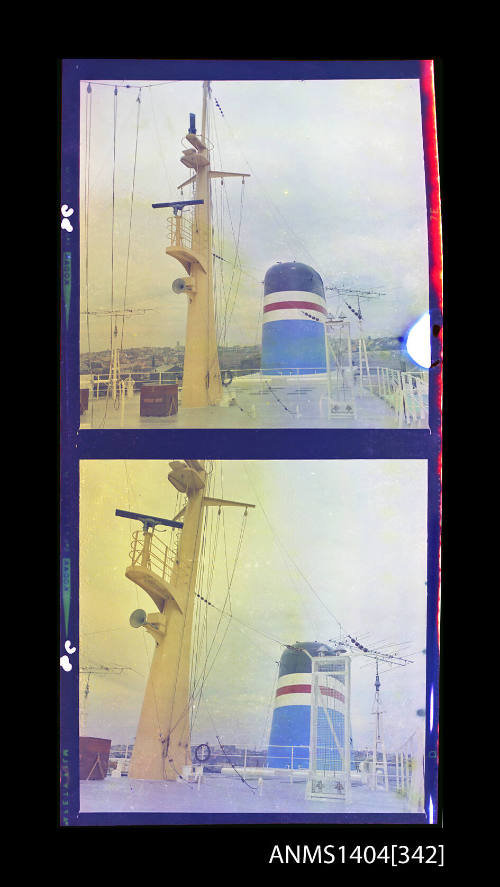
256, 402
223, 795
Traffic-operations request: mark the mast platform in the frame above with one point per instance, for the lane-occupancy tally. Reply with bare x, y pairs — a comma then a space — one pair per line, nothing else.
158, 590
186, 257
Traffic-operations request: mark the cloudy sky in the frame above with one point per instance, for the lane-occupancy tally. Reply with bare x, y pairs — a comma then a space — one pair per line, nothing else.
336, 181
331, 546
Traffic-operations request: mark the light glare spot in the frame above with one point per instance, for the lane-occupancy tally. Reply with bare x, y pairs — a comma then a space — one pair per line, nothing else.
418, 343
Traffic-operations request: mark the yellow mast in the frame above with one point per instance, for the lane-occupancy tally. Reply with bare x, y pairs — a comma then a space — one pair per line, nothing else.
162, 744
201, 385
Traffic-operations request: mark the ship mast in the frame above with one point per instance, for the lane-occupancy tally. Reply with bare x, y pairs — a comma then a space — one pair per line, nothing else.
162, 745
192, 247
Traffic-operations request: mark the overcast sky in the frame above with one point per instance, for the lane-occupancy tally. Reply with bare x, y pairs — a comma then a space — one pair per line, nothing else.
328, 542
336, 181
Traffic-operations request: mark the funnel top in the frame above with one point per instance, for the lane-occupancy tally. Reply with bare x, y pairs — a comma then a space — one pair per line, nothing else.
293, 276
295, 661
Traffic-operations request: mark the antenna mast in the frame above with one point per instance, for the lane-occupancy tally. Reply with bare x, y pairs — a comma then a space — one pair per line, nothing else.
362, 352
191, 245
378, 744
343, 401
162, 746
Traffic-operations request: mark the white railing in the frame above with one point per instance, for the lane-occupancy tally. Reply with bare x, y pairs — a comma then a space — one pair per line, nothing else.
404, 770
292, 762
134, 380
410, 769
405, 392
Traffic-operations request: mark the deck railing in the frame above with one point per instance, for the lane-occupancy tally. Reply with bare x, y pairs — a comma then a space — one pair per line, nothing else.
292, 762
405, 392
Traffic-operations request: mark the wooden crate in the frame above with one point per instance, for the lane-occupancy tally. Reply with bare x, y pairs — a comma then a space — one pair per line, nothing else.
159, 400
94, 757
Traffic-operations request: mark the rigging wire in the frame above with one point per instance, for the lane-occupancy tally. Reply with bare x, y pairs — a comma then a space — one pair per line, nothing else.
235, 264
234, 618
277, 399
251, 787
241, 268
213, 521
218, 232
169, 184
283, 549
277, 211
200, 683
115, 116
130, 217
204, 579
214, 364
214, 232
222, 318
88, 132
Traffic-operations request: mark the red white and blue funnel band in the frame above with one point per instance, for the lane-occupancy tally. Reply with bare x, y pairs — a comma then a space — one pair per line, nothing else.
294, 305
290, 730
295, 689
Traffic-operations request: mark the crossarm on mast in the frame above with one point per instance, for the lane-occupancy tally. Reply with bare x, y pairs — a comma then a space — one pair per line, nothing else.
208, 500
215, 174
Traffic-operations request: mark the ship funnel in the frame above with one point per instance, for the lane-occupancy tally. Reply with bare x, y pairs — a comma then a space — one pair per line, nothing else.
289, 742
138, 618
294, 314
